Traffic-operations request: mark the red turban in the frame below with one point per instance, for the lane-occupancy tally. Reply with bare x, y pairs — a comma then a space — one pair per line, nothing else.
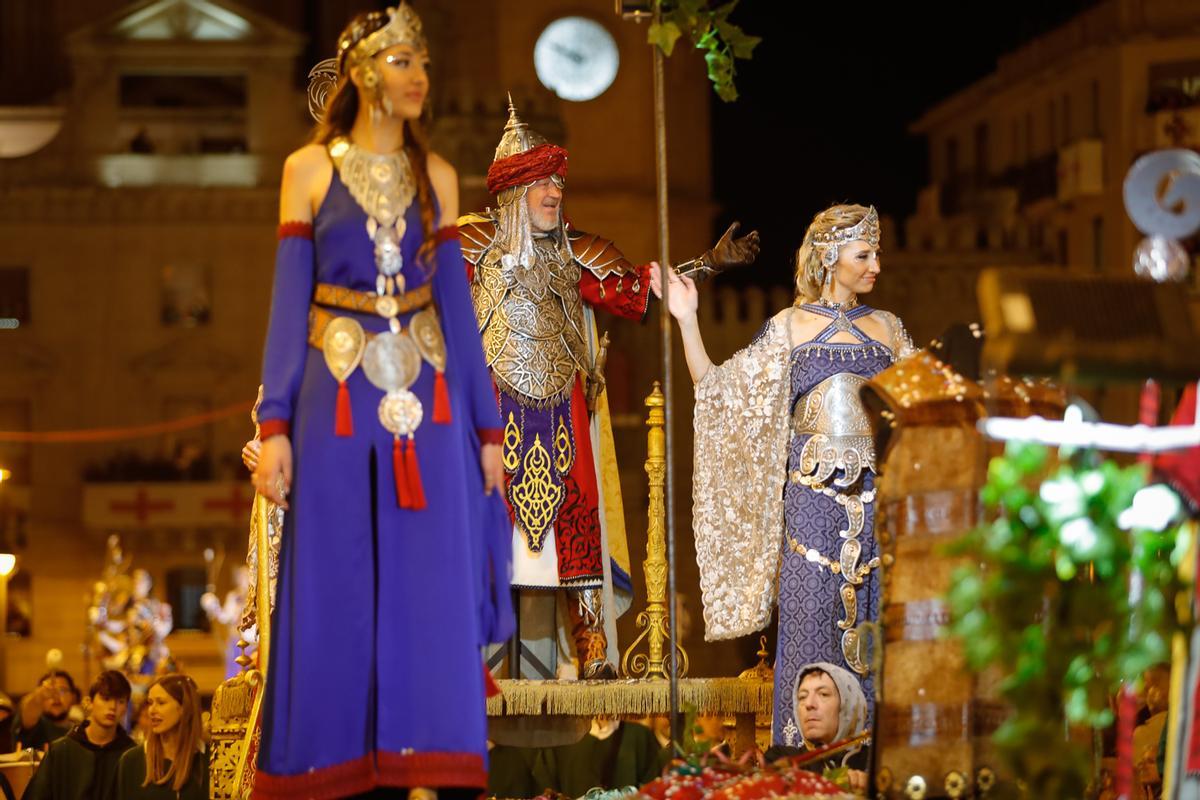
532, 165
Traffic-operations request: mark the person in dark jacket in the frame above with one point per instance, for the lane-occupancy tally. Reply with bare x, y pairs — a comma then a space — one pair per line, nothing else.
43, 713
172, 764
83, 764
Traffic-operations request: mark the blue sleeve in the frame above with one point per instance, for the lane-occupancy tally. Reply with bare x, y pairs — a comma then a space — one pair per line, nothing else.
466, 371
287, 331
497, 622
473, 395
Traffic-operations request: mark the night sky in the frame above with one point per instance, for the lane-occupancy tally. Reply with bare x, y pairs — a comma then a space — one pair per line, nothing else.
828, 97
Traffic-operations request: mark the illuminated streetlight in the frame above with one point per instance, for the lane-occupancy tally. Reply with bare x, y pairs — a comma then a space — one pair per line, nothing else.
8, 563
5, 474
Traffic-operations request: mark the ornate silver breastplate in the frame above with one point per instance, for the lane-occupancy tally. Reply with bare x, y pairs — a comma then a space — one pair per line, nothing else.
833, 415
531, 319
841, 432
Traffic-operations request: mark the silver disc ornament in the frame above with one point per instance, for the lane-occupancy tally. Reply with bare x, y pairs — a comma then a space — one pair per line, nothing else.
400, 412
1162, 193
391, 361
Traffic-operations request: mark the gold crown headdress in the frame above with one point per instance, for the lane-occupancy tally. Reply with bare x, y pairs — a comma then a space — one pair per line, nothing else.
356, 46
866, 230
403, 27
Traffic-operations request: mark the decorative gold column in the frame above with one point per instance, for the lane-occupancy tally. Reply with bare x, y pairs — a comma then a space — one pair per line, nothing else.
237, 704
653, 622
264, 593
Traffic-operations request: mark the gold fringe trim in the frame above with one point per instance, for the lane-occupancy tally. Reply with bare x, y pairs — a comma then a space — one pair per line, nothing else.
629, 697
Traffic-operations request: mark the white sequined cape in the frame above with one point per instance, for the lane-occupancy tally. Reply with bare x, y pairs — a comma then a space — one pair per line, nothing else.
742, 430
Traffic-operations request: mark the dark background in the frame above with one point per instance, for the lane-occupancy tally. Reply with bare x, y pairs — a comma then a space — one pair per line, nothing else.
826, 102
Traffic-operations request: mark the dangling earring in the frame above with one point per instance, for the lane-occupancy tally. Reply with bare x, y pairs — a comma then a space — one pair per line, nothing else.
829, 262
371, 94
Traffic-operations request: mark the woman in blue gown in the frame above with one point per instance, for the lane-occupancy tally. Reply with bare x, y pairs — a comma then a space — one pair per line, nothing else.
381, 439
784, 479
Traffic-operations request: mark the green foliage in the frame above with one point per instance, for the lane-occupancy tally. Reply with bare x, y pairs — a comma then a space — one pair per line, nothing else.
1047, 600
838, 776
710, 30
690, 751
692, 747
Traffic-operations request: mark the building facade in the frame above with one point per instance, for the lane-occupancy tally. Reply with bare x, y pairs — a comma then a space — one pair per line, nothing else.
1030, 160
1026, 165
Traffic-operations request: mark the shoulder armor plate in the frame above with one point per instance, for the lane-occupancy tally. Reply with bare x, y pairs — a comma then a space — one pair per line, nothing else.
598, 255
476, 232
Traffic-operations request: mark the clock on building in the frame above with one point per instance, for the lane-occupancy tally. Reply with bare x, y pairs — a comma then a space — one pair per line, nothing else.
576, 58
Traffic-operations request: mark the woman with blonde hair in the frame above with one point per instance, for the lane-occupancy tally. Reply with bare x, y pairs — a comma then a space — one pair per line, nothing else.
172, 764
784, 478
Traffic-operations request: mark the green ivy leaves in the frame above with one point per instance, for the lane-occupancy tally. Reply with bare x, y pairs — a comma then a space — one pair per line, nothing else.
1046, 599
710, 30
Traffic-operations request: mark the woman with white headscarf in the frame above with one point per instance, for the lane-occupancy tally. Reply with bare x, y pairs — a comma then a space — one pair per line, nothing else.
829, 706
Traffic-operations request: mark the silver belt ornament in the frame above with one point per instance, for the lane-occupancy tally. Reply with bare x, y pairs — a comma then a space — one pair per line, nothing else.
391, 361
831, 414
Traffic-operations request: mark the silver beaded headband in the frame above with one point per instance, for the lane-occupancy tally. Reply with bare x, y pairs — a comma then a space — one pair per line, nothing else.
866, 230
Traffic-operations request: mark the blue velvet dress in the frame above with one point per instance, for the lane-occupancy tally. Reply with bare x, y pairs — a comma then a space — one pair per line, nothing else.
375, 671
810, 604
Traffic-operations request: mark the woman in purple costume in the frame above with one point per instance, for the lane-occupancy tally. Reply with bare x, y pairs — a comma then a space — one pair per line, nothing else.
381, 435
784, 468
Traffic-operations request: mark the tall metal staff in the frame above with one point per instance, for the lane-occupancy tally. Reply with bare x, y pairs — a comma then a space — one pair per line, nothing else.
664, 328
641, 10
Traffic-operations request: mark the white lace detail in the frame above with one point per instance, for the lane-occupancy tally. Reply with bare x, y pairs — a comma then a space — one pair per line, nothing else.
742, 429
901, 343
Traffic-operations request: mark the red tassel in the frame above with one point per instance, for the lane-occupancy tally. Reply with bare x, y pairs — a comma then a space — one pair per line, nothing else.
441, 399
343, 424
490, 687
403, 496
416, 491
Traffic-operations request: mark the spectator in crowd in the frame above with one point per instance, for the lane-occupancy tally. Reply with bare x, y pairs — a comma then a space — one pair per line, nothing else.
8, 710
172, 764
141, 722
83, 764
44, 711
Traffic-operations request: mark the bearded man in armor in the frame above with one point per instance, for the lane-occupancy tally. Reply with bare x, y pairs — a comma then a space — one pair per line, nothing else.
536, 281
